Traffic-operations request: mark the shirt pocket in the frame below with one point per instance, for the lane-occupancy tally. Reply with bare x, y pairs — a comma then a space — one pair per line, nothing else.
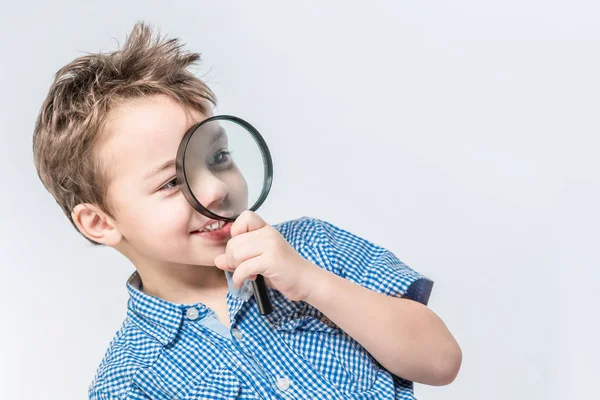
328, 349
219, 383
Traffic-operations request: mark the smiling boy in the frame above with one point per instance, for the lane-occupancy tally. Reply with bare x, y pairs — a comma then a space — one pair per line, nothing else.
349, 319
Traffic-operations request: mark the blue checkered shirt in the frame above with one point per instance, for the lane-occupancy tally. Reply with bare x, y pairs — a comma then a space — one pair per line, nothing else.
181, 351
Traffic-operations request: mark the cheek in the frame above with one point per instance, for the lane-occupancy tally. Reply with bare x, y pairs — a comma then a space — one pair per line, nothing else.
242, 193
238, 189
156, 221
167, 218
171, 219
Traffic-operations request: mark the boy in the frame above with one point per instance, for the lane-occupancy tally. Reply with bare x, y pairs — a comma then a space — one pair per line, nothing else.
349, 319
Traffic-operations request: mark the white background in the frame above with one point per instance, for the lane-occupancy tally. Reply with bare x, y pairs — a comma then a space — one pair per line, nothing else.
462, 135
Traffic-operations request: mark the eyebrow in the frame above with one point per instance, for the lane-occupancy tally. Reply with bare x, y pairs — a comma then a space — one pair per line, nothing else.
168, 164
159, 169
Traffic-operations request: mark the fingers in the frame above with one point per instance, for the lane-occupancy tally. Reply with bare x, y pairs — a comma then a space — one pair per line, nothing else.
247, 221
247, 270
221, 263
243, 247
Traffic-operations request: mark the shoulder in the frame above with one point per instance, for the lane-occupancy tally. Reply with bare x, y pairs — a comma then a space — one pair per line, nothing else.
302, 231
317, 232
129, 350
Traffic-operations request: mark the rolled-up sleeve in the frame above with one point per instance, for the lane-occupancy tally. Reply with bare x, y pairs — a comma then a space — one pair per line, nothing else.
371, 266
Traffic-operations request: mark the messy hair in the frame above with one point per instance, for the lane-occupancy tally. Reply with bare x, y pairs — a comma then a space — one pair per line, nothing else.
74, 113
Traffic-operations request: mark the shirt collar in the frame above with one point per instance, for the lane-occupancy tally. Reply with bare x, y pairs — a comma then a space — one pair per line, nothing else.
162, 319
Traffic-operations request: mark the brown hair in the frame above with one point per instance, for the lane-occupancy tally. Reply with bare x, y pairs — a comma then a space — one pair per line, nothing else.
84, 91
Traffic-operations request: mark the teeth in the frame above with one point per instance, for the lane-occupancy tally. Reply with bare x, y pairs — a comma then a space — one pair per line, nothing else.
214, 226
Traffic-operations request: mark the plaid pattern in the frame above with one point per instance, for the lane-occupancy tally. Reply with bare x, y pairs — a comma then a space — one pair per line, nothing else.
181, 351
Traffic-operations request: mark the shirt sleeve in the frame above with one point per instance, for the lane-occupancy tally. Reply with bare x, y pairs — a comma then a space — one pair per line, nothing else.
367, 264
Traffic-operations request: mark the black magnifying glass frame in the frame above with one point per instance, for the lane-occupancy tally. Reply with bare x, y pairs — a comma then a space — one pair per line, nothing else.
182, 178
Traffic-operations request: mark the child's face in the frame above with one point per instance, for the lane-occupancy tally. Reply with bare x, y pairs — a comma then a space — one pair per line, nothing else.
151, 213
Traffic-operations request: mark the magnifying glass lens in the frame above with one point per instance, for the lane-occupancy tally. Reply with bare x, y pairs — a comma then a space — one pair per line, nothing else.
225, 168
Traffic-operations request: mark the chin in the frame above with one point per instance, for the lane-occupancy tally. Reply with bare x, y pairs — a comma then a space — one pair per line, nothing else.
204, 256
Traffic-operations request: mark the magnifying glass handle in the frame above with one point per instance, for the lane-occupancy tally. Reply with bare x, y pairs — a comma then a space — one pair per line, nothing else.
261, 295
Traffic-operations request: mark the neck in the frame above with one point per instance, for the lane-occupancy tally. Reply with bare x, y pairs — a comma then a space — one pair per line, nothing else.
183, 284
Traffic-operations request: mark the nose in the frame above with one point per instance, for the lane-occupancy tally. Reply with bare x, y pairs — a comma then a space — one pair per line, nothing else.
210, 190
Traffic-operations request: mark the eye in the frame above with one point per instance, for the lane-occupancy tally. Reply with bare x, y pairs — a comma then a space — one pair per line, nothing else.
221, 157
170, 186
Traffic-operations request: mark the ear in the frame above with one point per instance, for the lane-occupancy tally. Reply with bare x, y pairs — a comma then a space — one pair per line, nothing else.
96, 225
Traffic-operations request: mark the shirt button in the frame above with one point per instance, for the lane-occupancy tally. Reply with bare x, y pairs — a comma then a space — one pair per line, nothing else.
237, 333
283, 384
192, 313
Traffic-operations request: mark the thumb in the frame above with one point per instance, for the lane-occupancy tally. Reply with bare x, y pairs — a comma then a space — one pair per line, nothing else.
221, 262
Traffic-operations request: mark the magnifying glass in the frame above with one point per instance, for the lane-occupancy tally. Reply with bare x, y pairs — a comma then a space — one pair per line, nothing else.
226, 158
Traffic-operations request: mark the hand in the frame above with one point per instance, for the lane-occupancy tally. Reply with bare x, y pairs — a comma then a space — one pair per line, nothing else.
257, 248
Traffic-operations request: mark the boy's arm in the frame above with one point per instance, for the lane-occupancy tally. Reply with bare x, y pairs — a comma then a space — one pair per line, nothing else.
404, 336
380, 302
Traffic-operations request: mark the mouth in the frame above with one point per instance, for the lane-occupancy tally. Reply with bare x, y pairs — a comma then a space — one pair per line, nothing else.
217, 230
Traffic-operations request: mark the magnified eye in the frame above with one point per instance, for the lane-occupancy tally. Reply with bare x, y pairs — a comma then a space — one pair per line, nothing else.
221, 157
